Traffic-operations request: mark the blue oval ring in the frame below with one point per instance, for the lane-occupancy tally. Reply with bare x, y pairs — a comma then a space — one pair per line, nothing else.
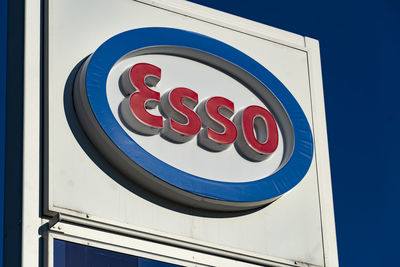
269, 187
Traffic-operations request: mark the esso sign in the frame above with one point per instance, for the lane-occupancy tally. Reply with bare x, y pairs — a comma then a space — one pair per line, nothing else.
258, 132
192, 119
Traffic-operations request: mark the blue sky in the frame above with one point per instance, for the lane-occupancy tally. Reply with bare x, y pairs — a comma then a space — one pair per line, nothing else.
360, 43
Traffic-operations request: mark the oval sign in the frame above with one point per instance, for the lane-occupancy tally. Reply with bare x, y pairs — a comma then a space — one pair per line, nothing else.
193, 119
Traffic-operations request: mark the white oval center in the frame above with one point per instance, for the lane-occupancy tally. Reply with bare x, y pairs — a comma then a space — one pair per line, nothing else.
227, 165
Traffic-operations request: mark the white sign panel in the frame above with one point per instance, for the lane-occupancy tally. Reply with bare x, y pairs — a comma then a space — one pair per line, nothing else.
163, 122
245, 162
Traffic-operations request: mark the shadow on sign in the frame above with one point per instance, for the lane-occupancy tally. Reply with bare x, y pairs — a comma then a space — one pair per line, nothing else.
104, 165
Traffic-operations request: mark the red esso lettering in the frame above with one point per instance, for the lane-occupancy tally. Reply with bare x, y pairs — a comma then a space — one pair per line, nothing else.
183, 123
135, 83
258, 133
253, 130
219, 132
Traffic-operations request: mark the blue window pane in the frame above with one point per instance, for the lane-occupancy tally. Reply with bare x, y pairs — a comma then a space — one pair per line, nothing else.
68, 254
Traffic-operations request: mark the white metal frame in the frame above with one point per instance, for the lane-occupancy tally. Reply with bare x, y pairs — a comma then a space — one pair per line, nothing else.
229, 21
138, 247
32, 220
190, 245
322, 153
